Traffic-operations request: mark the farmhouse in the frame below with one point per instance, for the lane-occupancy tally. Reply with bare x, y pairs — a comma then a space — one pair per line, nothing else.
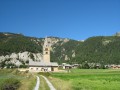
66, 66
44, 65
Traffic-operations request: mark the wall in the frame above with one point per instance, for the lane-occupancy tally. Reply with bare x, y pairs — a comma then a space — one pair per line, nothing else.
39, 69
55, 69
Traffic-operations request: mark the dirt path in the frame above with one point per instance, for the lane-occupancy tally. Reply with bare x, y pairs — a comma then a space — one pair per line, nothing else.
37, 84
49, 83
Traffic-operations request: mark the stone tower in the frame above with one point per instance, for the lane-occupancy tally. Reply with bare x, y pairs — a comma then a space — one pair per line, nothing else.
46, 50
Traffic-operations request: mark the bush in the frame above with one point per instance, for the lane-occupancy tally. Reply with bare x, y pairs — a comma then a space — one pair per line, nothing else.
85, 65
27, 71
10, 84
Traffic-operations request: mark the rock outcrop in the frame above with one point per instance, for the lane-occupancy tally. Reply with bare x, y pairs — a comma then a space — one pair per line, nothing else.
20, 58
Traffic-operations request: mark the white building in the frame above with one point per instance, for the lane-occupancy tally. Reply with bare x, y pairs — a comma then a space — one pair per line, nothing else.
45, 64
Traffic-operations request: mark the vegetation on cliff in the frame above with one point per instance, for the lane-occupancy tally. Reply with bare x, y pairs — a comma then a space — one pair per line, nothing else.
99, 49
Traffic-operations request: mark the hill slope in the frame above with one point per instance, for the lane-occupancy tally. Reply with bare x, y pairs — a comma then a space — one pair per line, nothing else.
100, 49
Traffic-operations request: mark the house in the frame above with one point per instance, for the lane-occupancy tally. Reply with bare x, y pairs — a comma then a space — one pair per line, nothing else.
75, 65
114, 66
44, 65
66, 66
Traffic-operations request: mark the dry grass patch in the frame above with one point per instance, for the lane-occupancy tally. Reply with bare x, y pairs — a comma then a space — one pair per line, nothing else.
43, 84
60, 84
28, 83
26, 79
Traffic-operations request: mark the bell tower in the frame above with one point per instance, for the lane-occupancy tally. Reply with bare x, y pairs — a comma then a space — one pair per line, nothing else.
46, 50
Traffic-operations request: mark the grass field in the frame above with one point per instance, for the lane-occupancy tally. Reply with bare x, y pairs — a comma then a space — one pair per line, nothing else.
77, 79
27, 80
87, 79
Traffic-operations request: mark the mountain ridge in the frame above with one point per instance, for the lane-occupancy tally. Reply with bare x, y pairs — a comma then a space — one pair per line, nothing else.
98, 49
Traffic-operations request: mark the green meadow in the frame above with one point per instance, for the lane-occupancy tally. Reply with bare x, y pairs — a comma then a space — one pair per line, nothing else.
76, 79
87, 79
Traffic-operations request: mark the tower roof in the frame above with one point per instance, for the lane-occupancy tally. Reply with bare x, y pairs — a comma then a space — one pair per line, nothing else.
47, 42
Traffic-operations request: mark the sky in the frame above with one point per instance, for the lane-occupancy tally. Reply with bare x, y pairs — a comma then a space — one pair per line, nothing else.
75, 19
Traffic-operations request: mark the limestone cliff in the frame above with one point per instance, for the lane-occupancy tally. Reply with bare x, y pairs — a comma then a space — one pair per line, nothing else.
17, 59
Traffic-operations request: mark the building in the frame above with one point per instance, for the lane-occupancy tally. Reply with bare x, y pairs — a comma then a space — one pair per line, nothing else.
113, 66
44, 65
66, 66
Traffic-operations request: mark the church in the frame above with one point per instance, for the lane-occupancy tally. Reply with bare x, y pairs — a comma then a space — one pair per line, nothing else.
44, 65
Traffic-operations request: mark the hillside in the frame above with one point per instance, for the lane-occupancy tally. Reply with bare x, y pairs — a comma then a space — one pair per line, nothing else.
100, 49
17, 48
10, 43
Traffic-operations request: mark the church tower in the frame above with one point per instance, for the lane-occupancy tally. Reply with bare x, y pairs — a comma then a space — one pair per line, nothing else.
46, 50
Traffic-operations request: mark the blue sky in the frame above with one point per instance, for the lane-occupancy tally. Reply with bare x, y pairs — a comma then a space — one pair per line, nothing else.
75, 19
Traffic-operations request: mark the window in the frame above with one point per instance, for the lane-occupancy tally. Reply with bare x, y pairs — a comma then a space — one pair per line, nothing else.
36, 68
46, 49
46, 52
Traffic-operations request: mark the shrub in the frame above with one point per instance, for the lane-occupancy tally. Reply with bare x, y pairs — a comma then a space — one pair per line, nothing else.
85, 65
26, 71
17, 72
10, 84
